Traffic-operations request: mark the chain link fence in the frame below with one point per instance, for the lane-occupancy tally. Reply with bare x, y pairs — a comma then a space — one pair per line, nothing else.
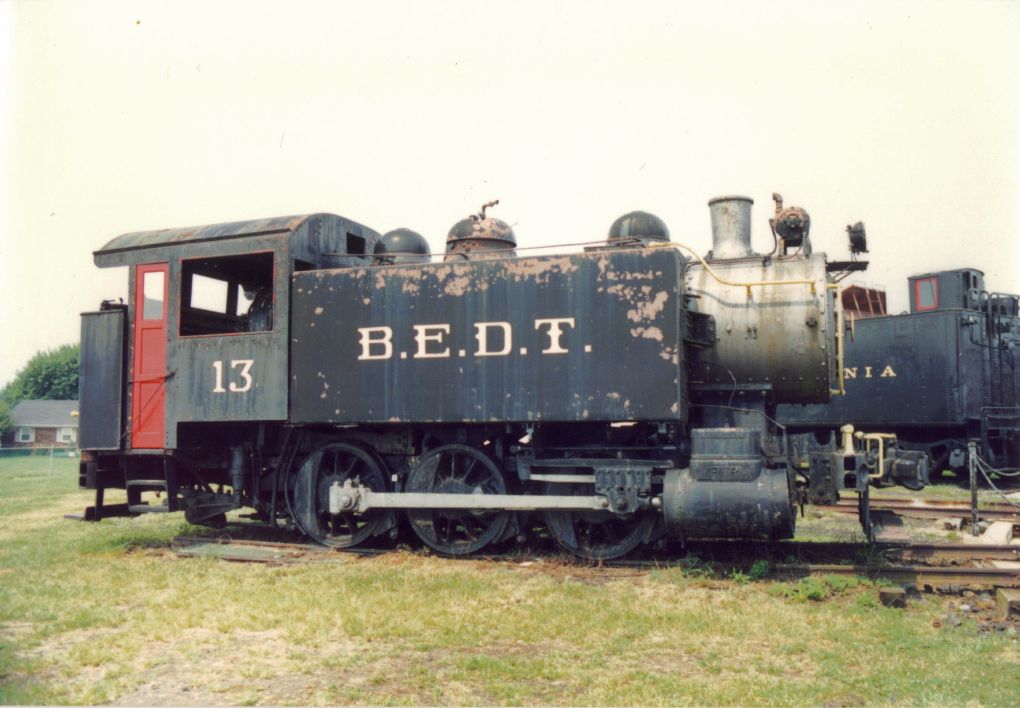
38, 461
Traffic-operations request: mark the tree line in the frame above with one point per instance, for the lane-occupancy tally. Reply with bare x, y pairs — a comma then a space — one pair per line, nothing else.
49, 375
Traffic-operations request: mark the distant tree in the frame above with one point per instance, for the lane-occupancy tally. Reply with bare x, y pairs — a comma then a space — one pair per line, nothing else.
5, 418
51, 374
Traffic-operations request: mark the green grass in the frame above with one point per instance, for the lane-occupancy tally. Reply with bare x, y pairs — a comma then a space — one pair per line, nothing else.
94, 613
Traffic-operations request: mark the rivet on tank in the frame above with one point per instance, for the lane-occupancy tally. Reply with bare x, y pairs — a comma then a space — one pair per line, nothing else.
402, 246
480, 237
638, 228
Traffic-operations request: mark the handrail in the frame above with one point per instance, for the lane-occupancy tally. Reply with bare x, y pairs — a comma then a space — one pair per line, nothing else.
748, 285
837, 318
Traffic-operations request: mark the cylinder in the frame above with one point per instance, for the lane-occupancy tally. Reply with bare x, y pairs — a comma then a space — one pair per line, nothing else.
727, 492
752, 508
731, 226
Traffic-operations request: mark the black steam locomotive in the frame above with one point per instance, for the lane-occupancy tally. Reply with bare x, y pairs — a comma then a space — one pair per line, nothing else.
338, 381
939, 376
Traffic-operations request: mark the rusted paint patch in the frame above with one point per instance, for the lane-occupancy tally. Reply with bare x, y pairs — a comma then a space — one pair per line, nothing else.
631, 275
644, 309
442, 272
648, 310
647, 333
457, 285
539, 269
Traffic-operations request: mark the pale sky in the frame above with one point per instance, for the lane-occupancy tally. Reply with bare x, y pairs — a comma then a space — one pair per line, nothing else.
126, 116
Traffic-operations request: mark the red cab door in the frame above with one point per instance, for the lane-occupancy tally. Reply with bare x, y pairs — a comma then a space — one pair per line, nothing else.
148, 392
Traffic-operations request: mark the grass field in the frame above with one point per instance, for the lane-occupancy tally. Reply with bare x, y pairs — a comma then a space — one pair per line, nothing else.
105, 613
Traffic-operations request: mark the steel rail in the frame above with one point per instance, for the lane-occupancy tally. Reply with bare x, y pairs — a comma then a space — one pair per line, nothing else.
920, 575
871, 557
925, 510
933, 502
843, 550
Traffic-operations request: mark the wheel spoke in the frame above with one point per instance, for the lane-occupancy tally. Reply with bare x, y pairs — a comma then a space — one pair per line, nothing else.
598, 535
450, 469
467, 472
467, 522
337, 462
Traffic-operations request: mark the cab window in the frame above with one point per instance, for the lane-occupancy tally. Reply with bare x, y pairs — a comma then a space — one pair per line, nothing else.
152, 295
926, 294
227, 295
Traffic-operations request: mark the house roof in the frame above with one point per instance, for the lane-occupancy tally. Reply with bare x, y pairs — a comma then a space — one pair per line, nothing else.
45, 414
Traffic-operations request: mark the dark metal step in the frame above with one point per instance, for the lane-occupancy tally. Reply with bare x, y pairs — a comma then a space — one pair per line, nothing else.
108, 510
161, 483
147, 509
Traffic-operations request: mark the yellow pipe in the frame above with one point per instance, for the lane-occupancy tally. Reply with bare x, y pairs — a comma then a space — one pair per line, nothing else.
724, 281
880, 438
837, 310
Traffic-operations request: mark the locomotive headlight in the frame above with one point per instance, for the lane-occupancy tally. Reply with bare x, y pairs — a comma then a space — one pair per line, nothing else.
858, 239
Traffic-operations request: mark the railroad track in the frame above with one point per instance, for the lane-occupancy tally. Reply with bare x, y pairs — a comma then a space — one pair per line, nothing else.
921, 576
935, 565
928, 508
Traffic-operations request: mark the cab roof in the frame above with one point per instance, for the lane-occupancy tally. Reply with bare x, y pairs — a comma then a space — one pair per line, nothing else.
120, 249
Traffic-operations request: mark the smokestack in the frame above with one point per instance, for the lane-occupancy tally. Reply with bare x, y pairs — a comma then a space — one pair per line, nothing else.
731, 226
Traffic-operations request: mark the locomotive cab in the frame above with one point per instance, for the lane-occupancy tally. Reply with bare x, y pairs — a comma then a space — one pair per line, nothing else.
207, 310
947, 290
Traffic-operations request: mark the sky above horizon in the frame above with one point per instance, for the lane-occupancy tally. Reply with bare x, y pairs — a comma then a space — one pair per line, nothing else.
126, 116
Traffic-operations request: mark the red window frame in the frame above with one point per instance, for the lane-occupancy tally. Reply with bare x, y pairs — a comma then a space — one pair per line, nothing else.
917, 294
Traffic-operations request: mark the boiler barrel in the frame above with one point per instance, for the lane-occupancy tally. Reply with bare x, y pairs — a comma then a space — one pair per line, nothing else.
781, 338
